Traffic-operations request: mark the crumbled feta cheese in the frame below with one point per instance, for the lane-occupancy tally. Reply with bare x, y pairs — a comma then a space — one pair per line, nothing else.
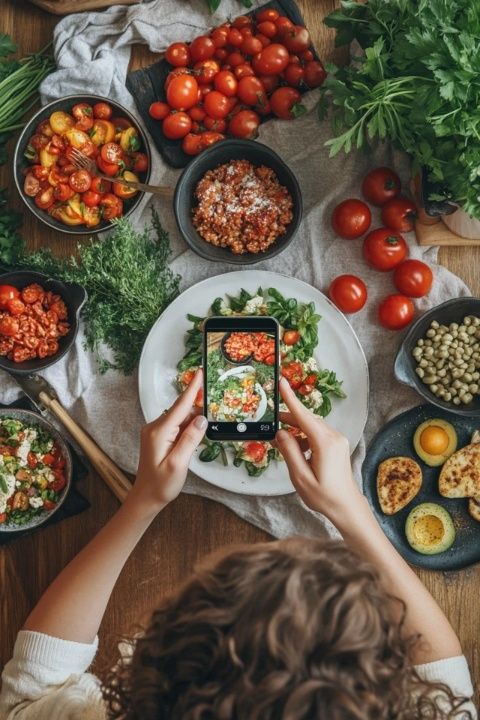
254, 305
23, 449
224, 309
35, 502
316, 398
311, 365
10, 483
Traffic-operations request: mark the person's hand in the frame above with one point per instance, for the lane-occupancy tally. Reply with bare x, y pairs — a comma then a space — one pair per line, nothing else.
325, 481
166, 447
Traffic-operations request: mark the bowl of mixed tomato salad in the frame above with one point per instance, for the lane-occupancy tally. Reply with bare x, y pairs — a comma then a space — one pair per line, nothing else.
35, 470
70, 199
38, 320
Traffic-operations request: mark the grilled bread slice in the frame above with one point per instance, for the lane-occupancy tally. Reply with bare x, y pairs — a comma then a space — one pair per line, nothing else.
398, 481
460, 475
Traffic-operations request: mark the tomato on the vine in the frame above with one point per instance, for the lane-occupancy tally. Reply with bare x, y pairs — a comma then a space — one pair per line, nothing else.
413, 278
384, 249
348, 292
399, 214
285, 102
351, 219
380, 185
396, 312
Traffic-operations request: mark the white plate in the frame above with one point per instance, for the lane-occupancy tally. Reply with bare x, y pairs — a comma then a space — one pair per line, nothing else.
339, 349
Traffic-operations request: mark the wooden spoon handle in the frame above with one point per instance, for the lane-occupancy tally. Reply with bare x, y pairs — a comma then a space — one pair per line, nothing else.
118, 483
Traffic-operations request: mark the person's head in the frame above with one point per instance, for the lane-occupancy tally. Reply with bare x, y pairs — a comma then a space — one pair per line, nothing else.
287, 630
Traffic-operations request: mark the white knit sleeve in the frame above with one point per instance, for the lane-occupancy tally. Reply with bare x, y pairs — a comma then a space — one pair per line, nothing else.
46, 679
453, 672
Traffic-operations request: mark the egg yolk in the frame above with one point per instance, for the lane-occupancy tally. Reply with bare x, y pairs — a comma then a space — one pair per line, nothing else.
434, 440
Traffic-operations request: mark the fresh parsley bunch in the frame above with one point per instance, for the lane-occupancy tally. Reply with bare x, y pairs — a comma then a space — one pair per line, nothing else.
417, 85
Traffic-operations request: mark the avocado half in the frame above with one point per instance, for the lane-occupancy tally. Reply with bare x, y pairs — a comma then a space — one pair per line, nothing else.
429, 529
434, 441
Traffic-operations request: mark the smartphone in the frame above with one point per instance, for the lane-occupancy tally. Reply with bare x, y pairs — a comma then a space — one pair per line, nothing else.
241, 364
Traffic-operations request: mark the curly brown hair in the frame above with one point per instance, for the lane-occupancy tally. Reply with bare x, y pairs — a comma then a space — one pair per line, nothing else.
286, 630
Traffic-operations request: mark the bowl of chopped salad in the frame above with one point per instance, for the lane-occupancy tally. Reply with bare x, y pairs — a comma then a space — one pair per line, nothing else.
35, 470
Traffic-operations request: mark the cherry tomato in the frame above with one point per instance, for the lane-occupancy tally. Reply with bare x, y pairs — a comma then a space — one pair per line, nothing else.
348, 292
39, 172
251, 45
242, 21
3, 517
192, 144
291, 337
396, 312
32, 461
112, 206
263, 39
217, 104
112, 153
293, 372
267, 14
124, 191
314, 73
413, 278
32, 293
177, 125
49, 504
176, 72
140, 162
226, 83
62, 192
91, 198
384, 249
80, 181
8, 326
351, 219
7, 293
219, 37
399, 214
235, 37
110, 169
31, 186
101, 186
380, 185
205, 71
59, 483
234, 59
267, 28
293, 74
159, 110
182, 92
251, 91
296, 38
178, 54
256, 450
243, 70
81, 110
244, 124
285, 102
272, 60
306, 56
305, 389
220, 54
15, 307
210, 138
202, 48
45, 199
283, 23
269, 82
102, 111
215, 124
270, 360
85, 124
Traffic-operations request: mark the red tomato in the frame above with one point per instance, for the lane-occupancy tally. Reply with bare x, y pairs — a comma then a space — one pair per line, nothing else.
255, 450
140, 162
251, 91
251, 45
205, 71
112, 206
348, 292
269, 82
291, 337
197, 113
178, 54
111, 152
8, 326
102, 111
219, 37
81, 110
63, 192
39, 172
234, 37
293, 372
314, 73
270, 360
202, 48
177, 125
159, 110
380, 185
263, 39
59, 483
296, 39
285, 103
267, 28
293, 74
305, 389
217, 104
182, 92
215, 124
396, 312
226, 83
32, 461
242, 21
91, 198
399, 214
49, 504
15, 307
80, 181
220, 54
267, 14
192, 144
210, 138
311, 379
272, 60
109, 169
3, 517
85, 124
244, 124
45, 199
234, 59
306, 56
101, 186
243, 70
413, 278
384, 249
31, 186
351, 219
283, 23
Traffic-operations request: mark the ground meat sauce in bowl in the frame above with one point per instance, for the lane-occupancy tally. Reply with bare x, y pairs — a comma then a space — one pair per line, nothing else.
241, 207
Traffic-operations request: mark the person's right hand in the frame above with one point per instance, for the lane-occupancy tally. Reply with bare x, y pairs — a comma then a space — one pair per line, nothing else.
325, 481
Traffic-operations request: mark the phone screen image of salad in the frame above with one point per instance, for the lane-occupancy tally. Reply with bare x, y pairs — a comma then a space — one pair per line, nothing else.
241, 381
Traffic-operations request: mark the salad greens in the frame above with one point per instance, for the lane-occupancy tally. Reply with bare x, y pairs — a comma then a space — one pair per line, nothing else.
417, 85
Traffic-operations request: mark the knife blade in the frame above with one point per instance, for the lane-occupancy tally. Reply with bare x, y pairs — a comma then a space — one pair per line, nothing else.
32, 386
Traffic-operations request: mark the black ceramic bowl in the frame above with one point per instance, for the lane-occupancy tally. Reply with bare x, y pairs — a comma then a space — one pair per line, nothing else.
74, 296
218, 154
20, 162
451, 311
227, 356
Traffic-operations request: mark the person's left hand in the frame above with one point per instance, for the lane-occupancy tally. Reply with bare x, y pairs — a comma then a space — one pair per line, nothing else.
166, 447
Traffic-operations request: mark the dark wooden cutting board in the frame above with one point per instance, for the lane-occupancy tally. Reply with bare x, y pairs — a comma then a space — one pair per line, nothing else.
146, 87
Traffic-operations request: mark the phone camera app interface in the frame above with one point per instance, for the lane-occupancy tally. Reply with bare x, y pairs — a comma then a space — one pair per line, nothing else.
241, 379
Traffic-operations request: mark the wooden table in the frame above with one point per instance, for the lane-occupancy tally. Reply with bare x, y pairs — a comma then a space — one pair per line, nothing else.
192, 527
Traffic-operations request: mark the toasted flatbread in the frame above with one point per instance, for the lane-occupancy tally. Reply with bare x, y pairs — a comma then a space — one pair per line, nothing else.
398, 481
474, 508
460, 475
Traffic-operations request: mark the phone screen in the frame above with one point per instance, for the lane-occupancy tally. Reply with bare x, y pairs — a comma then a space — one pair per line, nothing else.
241, 378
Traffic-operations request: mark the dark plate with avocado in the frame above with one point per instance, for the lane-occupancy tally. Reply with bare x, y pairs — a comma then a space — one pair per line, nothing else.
396, 439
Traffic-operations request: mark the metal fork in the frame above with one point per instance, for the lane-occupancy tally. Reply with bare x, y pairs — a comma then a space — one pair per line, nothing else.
83, 162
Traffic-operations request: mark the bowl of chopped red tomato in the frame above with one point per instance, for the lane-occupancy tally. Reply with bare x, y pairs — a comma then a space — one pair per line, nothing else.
75, 200
39, 320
